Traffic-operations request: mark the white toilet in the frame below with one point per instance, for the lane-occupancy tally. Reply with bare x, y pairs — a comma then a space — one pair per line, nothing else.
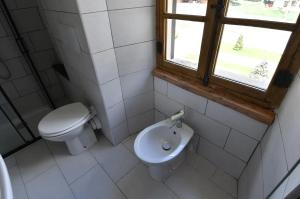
69, 124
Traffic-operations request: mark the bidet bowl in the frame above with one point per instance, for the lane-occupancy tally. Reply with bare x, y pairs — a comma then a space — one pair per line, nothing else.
162, 142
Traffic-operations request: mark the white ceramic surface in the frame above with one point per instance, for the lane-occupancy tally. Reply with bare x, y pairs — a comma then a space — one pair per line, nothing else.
5, 183
150, 142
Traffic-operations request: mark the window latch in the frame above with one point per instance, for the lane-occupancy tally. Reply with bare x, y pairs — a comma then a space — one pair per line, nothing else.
283, 79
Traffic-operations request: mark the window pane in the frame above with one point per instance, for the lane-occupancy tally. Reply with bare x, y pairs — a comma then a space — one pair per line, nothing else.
250, 55
184, 42
269, 10
189, 7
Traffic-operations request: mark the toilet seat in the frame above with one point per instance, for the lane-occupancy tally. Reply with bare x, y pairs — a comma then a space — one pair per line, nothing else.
63, 120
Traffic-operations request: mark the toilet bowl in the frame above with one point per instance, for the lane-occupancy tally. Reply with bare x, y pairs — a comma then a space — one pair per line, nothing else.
69, 124
162, 147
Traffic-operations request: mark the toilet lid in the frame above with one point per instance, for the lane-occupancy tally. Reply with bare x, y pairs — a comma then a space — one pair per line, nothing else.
63, 118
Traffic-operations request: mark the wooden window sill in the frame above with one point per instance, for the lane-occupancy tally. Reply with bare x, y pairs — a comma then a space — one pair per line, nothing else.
252, 110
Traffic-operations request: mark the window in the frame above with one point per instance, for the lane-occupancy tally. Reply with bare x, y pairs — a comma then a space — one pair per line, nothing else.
246, 48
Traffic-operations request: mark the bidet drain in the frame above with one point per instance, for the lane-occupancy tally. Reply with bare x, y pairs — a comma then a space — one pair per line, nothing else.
166, 146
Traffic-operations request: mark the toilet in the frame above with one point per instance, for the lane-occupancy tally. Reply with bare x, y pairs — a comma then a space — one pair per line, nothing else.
69, 124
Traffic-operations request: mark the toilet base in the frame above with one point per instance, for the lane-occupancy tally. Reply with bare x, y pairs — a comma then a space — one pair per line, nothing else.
161, 172
85, 140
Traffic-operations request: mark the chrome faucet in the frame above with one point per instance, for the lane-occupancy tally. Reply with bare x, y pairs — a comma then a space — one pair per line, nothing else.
178, 119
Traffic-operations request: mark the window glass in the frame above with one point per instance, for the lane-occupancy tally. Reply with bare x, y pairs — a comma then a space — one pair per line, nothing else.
269, 10
184, 40
189, 7
250, 55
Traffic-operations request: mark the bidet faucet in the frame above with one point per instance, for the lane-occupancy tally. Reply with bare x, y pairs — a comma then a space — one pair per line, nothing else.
177, 117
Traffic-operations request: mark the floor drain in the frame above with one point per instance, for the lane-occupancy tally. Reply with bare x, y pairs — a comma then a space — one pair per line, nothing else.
166, 146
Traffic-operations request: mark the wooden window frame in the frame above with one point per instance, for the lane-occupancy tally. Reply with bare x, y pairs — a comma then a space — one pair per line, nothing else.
214, 21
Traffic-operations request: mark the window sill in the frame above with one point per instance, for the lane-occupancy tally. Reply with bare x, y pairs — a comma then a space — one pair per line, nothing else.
252, 110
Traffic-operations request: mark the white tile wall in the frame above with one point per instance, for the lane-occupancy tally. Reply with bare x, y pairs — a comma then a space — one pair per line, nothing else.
166, 105
26, 3
240, 145
112, 93
86, 6
44, 59
10, 90
187, 98
139, 104
251, 182
137, 83
116, 115
26, 85
115, 4
160, 86
16, 67
8, 48
225, 181
289, 123
211, 130
40, 40
236, 120
219, 157
93, 29
135, 57
139, 122
105, 66
273, 158
27, 19
142, 21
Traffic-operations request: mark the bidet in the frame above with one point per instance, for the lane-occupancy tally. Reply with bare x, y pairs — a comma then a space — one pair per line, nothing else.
162, 146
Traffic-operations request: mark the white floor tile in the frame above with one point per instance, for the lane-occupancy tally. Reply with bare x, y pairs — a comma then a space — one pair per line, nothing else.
129, 143
188, 184
34, 160
10, 161
17, 183
225, 182
71, 166
203, 166
49, 185
139, 185
95, 185
116, 160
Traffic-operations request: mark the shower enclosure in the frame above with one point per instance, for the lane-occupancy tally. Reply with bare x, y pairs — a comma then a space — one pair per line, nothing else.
18, 128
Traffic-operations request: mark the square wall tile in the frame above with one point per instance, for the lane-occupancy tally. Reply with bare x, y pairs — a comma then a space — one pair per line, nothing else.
9, 48
115, 4
213, 131
111, 93
105, 65
120, 133
135, 57
26, 85
137, 83
221, 158
40, 40
158, 116
96, 184
165, 105
139, 104
141, 27
18, 186
273, 158
187, 98
44, 59
116, 115
240, 145
160, 86
10, 90
26, 3
27, 19
141, 121
289, 123
49, 185
97, 31
86, 6
236, 120
17, 67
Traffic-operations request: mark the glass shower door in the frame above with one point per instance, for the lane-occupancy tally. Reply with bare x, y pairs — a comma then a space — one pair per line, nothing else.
13, 132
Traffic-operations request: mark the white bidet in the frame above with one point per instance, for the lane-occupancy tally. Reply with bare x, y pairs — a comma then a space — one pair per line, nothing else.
161, 146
